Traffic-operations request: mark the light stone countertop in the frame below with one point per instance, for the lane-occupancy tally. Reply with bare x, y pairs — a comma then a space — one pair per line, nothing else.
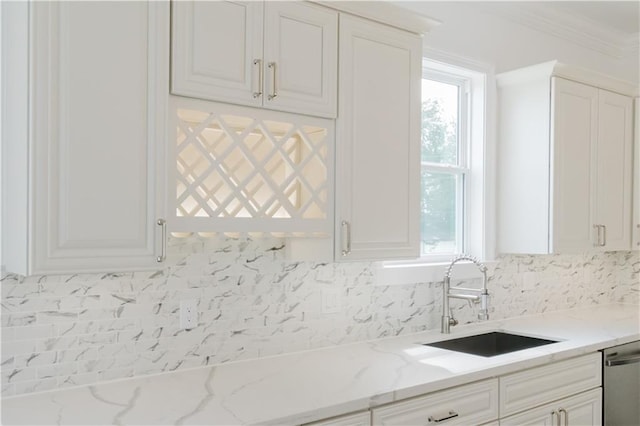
312, 385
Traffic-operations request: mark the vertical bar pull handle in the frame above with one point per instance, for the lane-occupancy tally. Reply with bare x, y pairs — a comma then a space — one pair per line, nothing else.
555, 414
258, 62
346, 251
274, 92
163, 254
566, 416
604, 235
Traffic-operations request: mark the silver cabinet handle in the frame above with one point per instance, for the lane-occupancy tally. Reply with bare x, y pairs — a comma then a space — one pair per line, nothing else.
566, 416
623, 360
274, 93
346, 251
597, 242
163, 254
450, 415
638, 231
555, 413
604, 235
257, 94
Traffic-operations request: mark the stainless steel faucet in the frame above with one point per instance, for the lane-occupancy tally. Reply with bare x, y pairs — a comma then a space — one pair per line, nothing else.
481, 297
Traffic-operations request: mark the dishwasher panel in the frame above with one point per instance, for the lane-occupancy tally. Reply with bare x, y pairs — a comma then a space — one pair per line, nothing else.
621, 393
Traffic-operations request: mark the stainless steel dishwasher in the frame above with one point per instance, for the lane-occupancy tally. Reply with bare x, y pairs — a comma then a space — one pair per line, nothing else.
621, 393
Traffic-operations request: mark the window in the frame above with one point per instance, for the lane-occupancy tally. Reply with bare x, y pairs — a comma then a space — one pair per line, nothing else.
444, 163
457, 177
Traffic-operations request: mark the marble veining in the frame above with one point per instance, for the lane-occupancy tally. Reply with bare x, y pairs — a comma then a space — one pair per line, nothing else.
63, 331
310, 385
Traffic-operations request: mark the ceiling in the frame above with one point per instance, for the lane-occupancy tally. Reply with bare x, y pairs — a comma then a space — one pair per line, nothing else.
620, 16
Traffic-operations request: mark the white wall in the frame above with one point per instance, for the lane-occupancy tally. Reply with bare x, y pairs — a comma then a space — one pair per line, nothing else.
468, 30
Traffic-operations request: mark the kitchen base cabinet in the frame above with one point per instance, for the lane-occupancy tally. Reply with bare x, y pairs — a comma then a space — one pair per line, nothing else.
579, 410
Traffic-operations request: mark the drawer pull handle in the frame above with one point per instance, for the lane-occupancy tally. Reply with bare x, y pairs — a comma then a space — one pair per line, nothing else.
450, 415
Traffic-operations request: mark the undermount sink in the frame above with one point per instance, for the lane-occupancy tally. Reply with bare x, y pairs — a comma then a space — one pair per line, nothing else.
491, 344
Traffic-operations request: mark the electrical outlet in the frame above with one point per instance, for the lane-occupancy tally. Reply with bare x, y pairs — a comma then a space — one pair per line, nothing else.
188, 314
331, 300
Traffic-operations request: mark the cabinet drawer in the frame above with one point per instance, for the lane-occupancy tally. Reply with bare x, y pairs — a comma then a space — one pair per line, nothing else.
358, 419
537, 386
470, 404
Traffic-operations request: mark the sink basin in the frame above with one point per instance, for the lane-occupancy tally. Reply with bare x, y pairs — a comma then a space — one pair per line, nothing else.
491, 344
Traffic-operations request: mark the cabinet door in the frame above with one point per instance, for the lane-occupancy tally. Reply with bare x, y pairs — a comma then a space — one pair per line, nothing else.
301, 53
574, 135
99, 86
378, 140
613, 174
217, 50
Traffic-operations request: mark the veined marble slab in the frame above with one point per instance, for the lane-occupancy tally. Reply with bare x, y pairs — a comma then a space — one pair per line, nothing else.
311, 385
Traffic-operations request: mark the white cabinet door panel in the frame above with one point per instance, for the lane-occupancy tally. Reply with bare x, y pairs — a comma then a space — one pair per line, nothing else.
574, 133
613, 174
302, 41
95, 98
214, 46
378, 142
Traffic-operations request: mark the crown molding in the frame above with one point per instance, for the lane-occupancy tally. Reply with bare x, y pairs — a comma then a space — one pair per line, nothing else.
579, 30
555, 68
385, 13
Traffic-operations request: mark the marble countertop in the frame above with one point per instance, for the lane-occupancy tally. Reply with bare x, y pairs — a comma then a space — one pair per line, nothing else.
312, 385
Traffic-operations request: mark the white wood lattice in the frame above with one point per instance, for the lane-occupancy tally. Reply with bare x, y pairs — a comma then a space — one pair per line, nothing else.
245, 169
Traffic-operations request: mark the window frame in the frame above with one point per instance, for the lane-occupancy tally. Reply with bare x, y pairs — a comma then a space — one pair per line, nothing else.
481, 217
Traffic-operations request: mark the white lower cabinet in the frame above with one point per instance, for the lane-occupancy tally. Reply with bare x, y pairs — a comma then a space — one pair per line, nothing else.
476, 403
579, 410
564, 393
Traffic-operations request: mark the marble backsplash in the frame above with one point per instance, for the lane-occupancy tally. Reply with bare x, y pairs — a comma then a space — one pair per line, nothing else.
60, 331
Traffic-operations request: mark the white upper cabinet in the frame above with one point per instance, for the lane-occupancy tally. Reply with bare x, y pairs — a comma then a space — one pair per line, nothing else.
378, 142
278, 55
565, 159
96, 126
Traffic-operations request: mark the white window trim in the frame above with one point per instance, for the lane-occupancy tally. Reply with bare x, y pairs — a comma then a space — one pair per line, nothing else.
480, 229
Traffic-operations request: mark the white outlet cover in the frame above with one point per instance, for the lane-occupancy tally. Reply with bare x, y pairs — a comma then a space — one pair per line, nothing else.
188, 314
331, 300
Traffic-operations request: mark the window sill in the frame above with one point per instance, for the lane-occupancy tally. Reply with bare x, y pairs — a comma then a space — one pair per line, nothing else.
401, 273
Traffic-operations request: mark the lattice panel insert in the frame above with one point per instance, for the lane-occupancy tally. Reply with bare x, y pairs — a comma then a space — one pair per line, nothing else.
231, 166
